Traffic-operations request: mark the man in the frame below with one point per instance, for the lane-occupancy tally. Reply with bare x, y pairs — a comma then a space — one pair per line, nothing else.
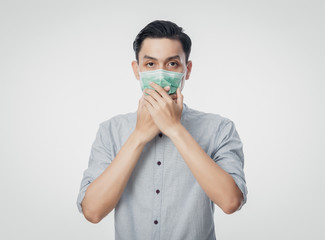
163, 167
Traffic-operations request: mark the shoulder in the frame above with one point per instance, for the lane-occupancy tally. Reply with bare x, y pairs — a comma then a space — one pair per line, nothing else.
207, 119
127, 120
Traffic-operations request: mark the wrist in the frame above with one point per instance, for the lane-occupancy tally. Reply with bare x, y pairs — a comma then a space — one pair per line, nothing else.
139, 137
175, 131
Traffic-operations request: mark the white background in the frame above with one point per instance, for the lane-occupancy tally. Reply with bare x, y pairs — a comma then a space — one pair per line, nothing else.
65, 66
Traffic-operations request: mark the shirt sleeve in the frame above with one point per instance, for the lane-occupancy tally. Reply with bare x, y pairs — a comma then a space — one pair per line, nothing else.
100, 158
230, 157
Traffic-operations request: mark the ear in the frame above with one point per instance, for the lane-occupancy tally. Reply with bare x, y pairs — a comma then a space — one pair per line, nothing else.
135, 69
189, 69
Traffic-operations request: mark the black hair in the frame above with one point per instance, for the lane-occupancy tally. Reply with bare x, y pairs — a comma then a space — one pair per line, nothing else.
162, 29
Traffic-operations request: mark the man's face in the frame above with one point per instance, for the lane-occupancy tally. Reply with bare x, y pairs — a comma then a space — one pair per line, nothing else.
162, 53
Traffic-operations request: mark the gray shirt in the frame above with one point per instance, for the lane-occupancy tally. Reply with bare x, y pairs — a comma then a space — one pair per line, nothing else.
162, 199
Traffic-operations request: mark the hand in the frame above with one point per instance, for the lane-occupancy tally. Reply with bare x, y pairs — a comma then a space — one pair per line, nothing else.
165, 112
145, 125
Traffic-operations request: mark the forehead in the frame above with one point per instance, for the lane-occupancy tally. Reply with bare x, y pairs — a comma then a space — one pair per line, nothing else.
161, 48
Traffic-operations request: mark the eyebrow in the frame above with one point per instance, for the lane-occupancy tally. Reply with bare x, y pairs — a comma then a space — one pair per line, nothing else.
168, 59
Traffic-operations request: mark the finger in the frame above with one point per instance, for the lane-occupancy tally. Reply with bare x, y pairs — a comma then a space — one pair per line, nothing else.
151, 100
173, 96
156, 96
148, 106
167, 88
160, 90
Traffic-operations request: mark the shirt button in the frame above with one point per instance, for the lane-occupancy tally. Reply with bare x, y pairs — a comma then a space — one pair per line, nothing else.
160, 134
157, 191
155, 222
158, 162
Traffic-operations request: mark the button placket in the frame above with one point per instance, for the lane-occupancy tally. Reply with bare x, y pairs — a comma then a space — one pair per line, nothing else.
157, 180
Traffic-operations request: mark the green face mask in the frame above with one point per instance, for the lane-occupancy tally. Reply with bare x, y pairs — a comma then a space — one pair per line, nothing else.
163, 78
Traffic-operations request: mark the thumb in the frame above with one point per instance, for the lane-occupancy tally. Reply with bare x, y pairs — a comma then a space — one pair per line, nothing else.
179, 98
141, 101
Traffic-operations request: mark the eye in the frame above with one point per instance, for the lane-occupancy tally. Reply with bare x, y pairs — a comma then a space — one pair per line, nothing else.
173, 64
150, 64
